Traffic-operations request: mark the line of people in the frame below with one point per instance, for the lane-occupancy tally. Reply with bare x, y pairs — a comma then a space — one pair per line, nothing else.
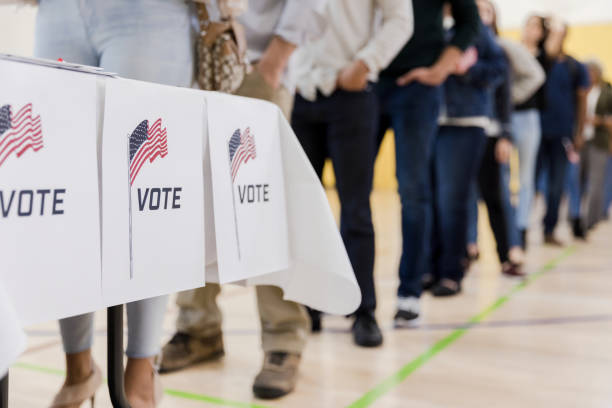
457, 98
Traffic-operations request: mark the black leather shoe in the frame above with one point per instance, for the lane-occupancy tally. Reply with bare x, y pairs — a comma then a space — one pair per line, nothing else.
446, 288
366, 332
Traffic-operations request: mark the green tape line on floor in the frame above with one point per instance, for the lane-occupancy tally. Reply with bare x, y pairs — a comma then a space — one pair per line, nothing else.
397, 378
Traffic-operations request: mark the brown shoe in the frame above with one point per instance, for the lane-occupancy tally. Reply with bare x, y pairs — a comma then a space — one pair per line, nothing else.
550, 239
278, 376
184, 350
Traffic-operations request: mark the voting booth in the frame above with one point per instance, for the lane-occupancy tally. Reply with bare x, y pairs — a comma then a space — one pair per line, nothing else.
113, 190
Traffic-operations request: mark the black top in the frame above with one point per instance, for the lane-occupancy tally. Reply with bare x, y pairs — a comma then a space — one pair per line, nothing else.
428, 41
538, 99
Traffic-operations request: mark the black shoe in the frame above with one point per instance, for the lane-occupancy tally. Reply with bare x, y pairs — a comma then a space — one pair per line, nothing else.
315, 320
551, 240
366, 332
445, 288
578, 229
523, 239
428, 281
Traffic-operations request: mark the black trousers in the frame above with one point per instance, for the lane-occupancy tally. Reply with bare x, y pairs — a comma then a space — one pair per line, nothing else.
492, 193
343, 127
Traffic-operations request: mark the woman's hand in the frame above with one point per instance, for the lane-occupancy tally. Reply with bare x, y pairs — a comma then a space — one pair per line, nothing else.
503, 150
354, 77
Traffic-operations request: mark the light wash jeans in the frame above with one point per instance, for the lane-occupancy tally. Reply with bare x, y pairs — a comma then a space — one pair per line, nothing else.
149, 40
527, 136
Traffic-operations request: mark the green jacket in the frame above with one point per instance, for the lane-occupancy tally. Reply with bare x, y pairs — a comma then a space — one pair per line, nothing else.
604, 108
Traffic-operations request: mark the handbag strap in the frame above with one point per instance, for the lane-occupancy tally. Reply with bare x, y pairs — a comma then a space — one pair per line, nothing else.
203, 16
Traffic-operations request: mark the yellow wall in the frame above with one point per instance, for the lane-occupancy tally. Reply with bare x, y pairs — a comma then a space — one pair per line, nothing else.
583, 42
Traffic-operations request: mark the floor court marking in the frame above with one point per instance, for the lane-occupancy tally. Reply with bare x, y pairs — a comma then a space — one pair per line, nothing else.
390, 382
398, 377
168, 391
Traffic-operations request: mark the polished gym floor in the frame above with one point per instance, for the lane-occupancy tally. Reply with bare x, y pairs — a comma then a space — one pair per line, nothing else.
543, 342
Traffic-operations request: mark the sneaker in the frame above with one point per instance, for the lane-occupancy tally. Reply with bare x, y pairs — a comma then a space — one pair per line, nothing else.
278, 376
366, 332
446, 288
408, 312
551, 240
184, 350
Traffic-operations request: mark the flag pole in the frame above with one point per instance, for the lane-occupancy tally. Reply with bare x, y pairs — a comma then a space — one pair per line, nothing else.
130, 209
234, 202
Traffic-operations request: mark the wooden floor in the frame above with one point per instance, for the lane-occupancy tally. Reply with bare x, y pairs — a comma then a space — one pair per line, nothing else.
547, 344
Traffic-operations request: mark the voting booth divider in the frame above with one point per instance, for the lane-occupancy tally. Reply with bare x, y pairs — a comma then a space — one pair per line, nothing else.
113, 190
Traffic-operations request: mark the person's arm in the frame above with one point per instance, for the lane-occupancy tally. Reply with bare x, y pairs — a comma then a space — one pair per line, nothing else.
396, 29
274, 60
467, 25
299, 22
529, 75
491, 67
582, 90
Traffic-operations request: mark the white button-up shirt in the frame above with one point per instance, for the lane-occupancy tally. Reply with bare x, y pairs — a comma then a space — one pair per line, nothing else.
370, 30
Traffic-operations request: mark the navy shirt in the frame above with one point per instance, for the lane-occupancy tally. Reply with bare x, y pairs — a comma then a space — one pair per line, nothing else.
564, 79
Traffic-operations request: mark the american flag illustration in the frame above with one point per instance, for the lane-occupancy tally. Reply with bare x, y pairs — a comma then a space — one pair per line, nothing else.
241, 150
19, 132
146, 144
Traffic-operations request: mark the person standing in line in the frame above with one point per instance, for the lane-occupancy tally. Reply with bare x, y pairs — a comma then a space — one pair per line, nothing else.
562, 123
159, 49
273, 28
409, 95
598, 148
526, 125
336, 115
523, 79
459, 146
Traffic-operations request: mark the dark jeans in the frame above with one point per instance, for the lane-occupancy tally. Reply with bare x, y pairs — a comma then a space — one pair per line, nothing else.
457, 155
343, 127
412, 112
552, 160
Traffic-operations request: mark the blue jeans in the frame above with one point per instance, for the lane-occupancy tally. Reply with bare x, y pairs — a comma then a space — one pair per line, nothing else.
343, 127
552, 161
412, 112
457, 157
527, 135
575, 189
608, 188
149, 40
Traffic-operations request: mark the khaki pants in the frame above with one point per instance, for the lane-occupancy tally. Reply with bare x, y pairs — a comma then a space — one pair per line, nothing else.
284, 324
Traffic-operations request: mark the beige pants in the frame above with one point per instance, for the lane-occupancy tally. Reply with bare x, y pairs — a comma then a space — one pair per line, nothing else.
284, 325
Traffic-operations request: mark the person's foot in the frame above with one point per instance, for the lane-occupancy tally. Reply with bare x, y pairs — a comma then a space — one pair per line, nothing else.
513, 269
143, 388
366, 332
278, 376
445, 288
551, 240
428, 281
315, 320
408, 312
578, 229
184, 350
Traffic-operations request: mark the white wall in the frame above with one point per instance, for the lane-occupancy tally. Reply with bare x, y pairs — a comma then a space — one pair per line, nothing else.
512, 13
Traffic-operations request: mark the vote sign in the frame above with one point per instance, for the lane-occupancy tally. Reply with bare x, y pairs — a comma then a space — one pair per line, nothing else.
153, 208
248, 187
49, 197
